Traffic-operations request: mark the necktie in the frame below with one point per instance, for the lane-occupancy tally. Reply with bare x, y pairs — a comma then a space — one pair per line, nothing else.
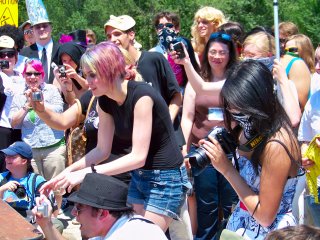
44, 61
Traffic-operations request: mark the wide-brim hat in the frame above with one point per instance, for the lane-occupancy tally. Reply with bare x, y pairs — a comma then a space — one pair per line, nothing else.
20, 148
37, 12
6, 42
122, 23
24, 24
102, 191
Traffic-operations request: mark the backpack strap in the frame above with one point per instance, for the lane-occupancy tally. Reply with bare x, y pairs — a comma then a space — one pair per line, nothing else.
5, 179
141, 219
33, 188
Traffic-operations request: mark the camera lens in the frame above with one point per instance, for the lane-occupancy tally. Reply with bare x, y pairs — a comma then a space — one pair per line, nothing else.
20, 192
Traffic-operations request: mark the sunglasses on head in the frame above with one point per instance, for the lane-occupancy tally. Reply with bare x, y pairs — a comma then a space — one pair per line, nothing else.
36, 74
167, 25
224, 36
9, 54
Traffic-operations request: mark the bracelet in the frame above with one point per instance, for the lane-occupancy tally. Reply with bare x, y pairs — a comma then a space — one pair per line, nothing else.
26, 108
93, 169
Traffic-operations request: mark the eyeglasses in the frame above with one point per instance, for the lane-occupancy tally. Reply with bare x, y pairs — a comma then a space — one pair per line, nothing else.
28, 32
224, 36
167, 25
9, 54
76, 209
41, 25
36, 74
292, 49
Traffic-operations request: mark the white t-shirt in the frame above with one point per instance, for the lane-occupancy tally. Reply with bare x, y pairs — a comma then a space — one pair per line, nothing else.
315, 83
130, 228
310, 121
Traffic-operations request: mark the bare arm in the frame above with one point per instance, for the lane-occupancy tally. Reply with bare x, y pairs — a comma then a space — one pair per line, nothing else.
174, 105
290, 103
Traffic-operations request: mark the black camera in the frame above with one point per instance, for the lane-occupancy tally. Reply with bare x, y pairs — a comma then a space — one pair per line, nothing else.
4, 64
20, 192
178, 47
37, 96
62, 70
198, 158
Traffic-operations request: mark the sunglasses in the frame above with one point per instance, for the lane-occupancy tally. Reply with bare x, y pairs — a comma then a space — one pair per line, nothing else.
167, 25
224, 36
292, 49
36, 74
28, 32
9, 54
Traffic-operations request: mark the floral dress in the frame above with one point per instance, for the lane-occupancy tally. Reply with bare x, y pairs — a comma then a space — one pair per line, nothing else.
241, 218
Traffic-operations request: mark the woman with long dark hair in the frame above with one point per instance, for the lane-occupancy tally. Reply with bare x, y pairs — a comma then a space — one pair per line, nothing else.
269, 155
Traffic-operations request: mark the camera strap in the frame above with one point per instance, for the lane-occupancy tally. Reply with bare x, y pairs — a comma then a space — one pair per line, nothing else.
252, 143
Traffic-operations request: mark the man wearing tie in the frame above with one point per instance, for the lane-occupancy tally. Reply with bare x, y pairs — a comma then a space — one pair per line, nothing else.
44, 48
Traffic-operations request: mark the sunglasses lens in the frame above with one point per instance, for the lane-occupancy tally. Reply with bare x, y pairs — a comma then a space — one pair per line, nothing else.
29, 74
7, 54
169, 25
160, 26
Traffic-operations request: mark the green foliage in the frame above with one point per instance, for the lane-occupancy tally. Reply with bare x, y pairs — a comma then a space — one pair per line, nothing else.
69, 15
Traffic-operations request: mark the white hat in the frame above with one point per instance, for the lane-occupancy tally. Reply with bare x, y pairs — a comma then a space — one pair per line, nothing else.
6, 42
37, 12
122, 23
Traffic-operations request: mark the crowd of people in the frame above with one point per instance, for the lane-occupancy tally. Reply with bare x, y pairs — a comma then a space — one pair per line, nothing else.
187, 140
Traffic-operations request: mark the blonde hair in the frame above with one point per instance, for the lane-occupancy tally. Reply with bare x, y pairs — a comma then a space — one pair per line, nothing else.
210, 14
263, 41
131, 67
305, 50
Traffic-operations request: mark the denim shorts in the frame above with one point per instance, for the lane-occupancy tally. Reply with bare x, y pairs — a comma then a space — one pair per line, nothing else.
160, 191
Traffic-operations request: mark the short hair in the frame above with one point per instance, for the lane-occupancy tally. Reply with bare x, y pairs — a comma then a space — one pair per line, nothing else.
171, 16
288, 29
263, 41
299, 232
210, 14
106, 60
36, 64
205, 71
305, 49
115, 214
15, 33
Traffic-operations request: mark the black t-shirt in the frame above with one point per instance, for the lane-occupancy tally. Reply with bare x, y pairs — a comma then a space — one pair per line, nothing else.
156, 71
163, 152
91, 125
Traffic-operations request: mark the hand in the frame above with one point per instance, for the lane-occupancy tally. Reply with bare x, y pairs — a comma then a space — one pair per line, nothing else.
279, 72
49, 186
186, 160
71, 72
177, 60
11, 185
66, 84
216, 154
41, 220
318, 142
38, 106
307, 163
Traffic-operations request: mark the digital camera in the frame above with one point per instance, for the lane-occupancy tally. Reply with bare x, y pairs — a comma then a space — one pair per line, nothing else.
20, 192
44, 209
178, 48
37, 96
4, 64
198, 158
62, 70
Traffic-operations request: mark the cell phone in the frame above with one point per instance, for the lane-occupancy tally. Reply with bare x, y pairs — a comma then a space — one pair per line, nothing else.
37, 96
178, 47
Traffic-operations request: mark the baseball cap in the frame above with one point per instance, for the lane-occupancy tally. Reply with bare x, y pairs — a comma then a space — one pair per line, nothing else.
6, 42
18, 148
122, 23
102, 191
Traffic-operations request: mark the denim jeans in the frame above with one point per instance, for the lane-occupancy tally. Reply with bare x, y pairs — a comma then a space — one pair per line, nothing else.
213, 193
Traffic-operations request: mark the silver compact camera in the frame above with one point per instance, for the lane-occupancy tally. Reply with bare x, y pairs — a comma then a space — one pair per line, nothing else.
44, 209
37, 96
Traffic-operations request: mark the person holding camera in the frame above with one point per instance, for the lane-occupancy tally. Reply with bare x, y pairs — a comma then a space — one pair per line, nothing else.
19, 185
202, 112
48, 144
68, 77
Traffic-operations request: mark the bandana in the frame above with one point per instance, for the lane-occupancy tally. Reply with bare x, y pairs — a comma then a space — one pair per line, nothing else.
245, 121
166, 36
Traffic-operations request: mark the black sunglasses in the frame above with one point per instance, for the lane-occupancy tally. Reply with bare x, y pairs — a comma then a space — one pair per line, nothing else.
167, 25
9, 54
36, 74
27, 31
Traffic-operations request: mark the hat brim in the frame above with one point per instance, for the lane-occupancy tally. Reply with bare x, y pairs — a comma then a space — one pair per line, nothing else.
74, 197
9, 152
42, 21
